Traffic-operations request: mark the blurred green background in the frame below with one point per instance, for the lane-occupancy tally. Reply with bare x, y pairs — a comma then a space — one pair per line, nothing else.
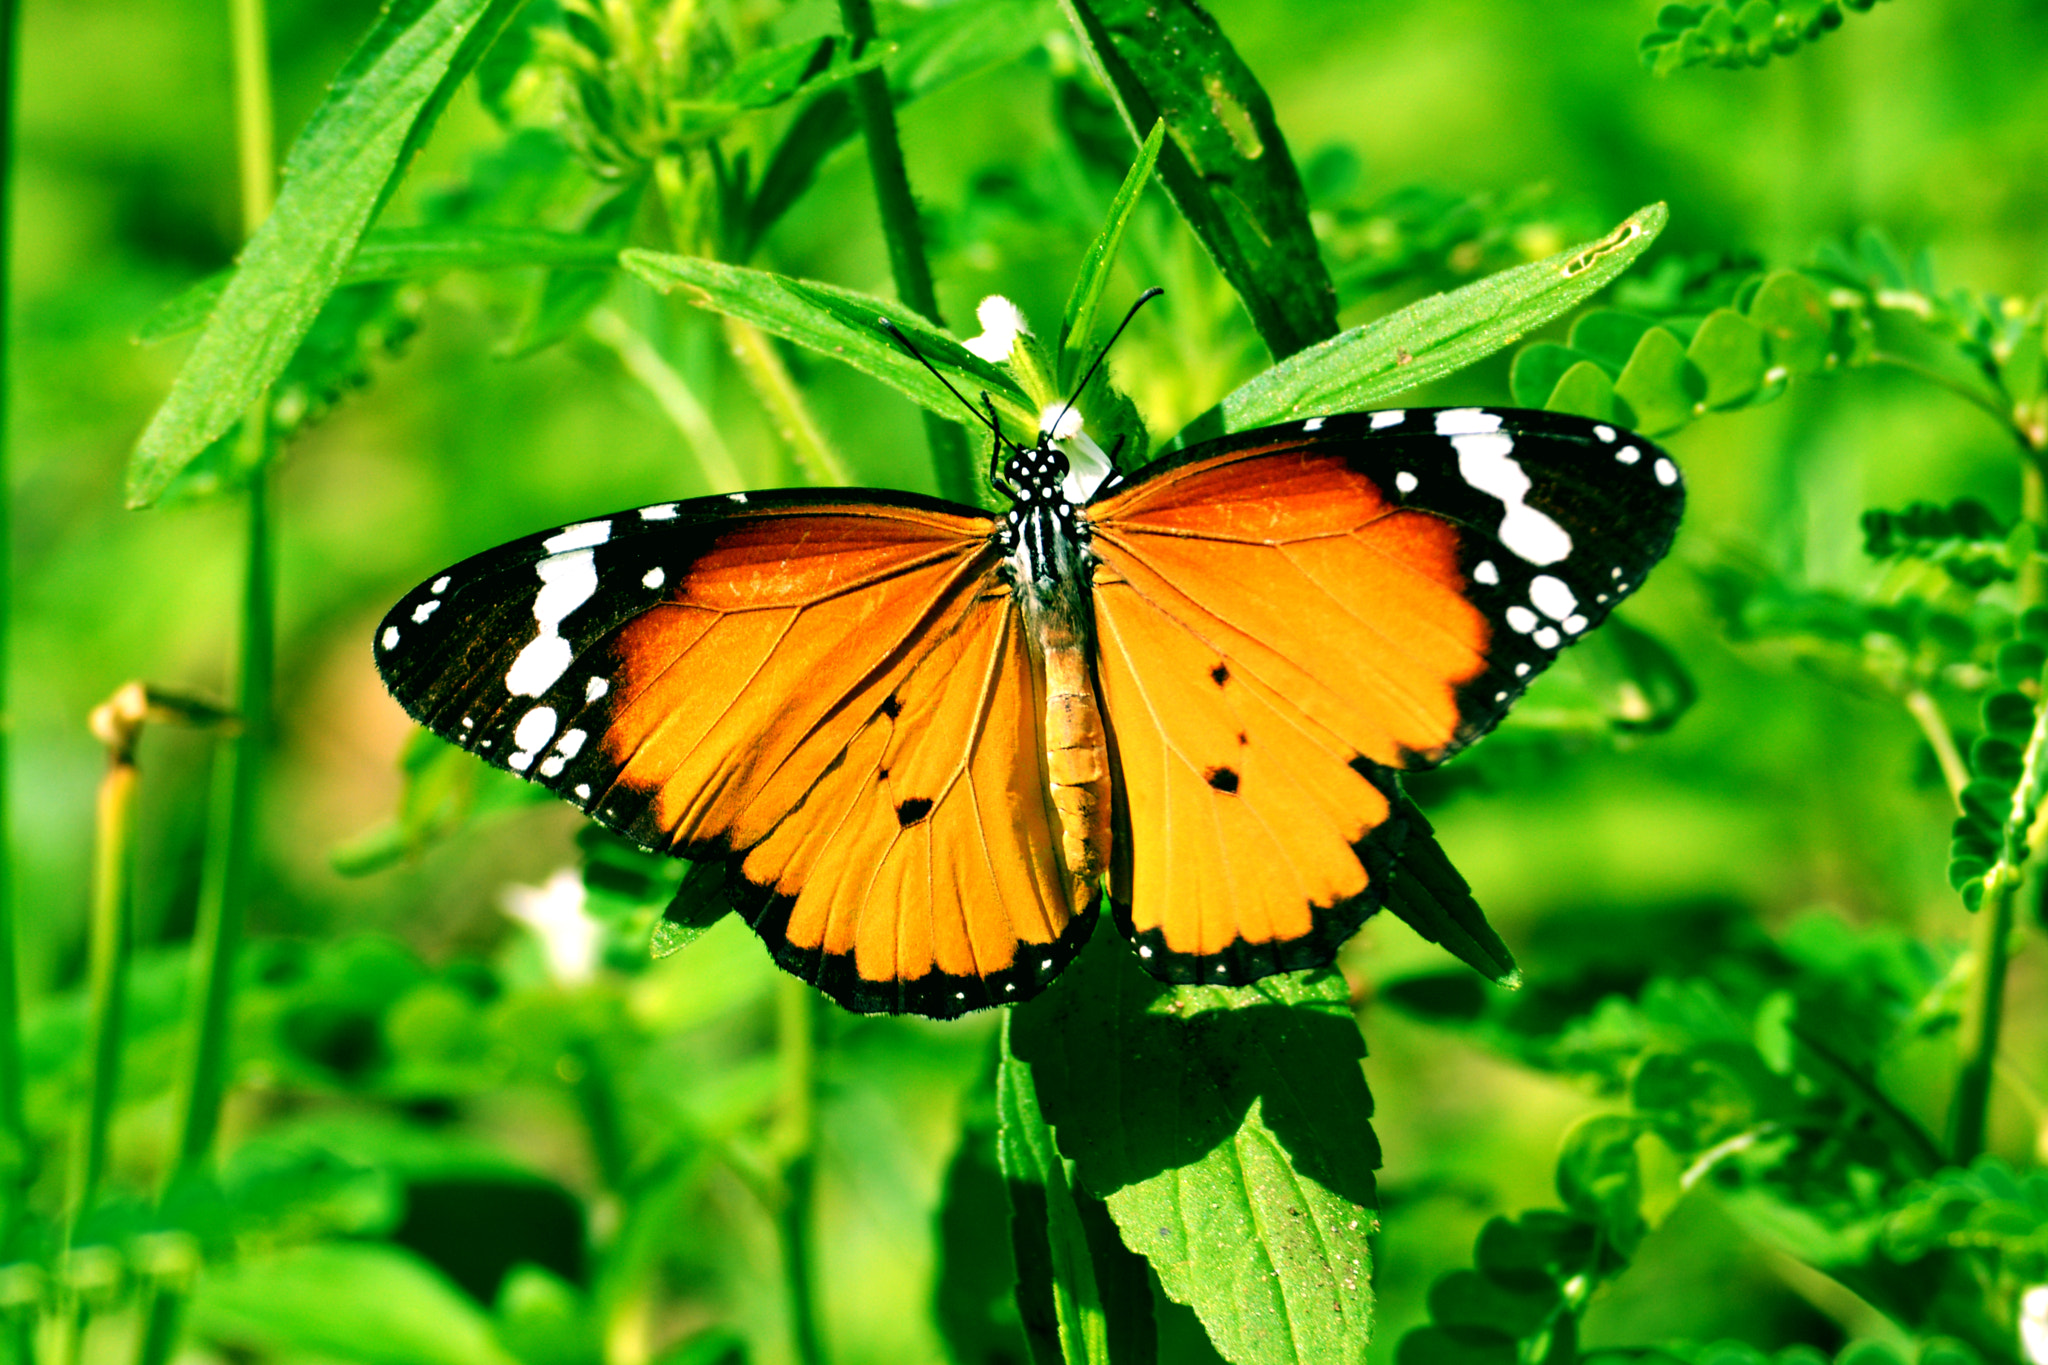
411, 1025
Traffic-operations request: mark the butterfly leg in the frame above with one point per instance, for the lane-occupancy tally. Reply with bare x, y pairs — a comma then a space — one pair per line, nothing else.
995, 455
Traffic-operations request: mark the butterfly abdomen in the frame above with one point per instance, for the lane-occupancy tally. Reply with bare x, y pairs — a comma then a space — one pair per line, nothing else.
1050, 567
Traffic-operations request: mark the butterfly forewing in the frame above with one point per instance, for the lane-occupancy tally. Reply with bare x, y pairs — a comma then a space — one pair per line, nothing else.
1286, 616
765, 679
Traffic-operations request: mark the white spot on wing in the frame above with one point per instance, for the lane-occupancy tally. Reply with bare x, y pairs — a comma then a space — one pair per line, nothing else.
596, 688
1574, 623
1604, 432
391, 637
534, 730
1484, 572
1548, 638
1521, 670
581, 536
1667, 472
1520, 619
551, 766
567, 582
425, 609
1552, 597
1628, 454
1390, 418
1485, 460
653, 578
468, 724
440, 584
664, 512
571, 743
1312, 424
740, 498
1466, 422
582, 791
1405, 482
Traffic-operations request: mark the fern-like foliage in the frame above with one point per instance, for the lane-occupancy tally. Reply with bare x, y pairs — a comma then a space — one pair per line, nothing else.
1746, 35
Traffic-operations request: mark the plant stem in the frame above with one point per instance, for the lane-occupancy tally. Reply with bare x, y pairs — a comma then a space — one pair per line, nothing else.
16, 1157
637, 354
951, 463
111, 931
1991, 946
224, 882
758, 360
794, 1142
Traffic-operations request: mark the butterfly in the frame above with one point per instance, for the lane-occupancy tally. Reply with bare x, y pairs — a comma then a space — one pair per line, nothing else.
922, 738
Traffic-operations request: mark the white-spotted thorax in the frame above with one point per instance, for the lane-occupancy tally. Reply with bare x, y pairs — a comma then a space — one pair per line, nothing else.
1048, 564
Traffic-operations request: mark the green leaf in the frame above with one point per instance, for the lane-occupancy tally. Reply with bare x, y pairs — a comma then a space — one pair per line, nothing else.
1077, 327
402, 254
1609, 336
1536, 371
335, 178
444, 788
1585, 391
1226, 166
1659, 386
1600, 1179
566, 296
773, 75
1728, 350
310, 1301
841, 324
1794, 317
1430, 338
1230, 1133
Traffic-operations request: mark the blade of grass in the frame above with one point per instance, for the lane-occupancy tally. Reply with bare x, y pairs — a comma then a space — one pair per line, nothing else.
338, 174
954, 469
1226, 164
1429, 338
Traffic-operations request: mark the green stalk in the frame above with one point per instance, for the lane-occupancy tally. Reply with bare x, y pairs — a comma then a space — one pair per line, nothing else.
17, 1163
951, 463
795, 1146
1991, 947
224, 883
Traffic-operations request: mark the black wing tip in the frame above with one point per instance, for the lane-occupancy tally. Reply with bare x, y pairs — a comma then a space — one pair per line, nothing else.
937, 995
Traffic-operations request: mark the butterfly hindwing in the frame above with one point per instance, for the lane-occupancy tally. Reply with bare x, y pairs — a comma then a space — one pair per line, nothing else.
1287, 617
761, 679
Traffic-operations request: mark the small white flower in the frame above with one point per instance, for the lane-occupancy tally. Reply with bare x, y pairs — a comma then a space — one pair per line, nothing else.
1000, 325
2034, 1324
1087, 465
556, 913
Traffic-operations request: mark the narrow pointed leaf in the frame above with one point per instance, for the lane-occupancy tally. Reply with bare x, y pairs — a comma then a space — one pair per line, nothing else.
1430, 338
1078, 326
336, 176
839, 323
1229, 1132
1225, 164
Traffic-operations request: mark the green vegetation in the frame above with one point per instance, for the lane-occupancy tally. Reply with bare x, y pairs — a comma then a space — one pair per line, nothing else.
334, 1045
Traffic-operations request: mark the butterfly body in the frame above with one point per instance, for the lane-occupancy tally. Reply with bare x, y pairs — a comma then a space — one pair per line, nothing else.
921, 737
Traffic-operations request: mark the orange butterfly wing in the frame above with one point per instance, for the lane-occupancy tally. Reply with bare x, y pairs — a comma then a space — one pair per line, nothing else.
832, 696
1284, 619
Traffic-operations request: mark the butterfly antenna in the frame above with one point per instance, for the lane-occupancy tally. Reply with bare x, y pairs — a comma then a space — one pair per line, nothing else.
1150, 294
901, 340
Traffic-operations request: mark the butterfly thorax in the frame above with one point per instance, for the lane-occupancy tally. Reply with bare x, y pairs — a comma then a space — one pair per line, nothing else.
1048, 564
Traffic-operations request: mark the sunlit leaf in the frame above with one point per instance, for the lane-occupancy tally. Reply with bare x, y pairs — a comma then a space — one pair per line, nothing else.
1430, 338
1229, 1131
336, 176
